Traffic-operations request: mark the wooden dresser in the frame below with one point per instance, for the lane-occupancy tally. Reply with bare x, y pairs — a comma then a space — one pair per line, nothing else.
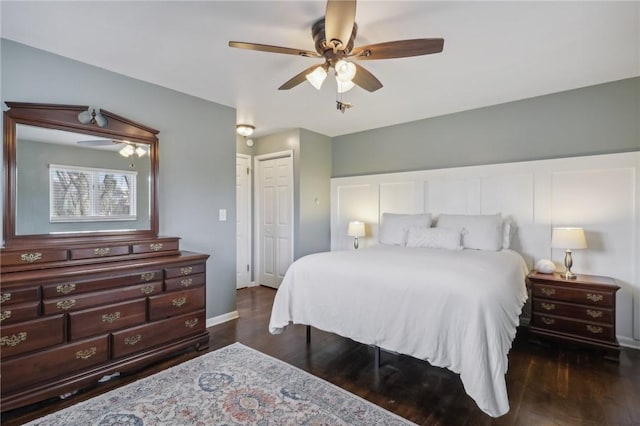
581, 310
73, 314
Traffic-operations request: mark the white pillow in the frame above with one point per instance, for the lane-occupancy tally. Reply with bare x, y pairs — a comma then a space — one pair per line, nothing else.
393, 229
481, 232
442, 238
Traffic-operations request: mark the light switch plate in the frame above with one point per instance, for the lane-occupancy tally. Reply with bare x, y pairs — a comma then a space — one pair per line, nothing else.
222, 215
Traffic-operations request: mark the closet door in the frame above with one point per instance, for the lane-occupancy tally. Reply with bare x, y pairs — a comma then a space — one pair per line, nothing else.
274, 217
243, 220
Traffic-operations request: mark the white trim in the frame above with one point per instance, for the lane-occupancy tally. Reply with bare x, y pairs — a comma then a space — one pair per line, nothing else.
222, 318
629, 343
256, 223
249, 214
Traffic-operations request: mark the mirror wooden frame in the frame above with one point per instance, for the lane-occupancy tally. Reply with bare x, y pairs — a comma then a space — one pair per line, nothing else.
65, 117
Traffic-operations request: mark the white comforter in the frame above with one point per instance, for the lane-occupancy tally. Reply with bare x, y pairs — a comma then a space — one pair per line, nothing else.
455, 309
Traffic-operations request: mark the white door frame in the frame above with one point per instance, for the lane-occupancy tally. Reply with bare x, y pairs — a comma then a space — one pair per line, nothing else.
257, 216
249, 234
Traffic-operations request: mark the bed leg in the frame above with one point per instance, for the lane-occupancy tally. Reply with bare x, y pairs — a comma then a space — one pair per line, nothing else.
376, 352
308, 334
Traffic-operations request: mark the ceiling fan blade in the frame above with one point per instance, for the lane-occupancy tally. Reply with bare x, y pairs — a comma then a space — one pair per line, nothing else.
298, 78
339, 20
273, 49
366, 80
97, 142
399, 49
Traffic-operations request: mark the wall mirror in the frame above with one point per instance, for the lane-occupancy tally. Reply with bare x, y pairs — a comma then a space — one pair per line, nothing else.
73, 174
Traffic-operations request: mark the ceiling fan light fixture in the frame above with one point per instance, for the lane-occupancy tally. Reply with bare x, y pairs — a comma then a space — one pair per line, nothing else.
245, 129
344, 86
345, 71
127, 151
140, 151
317, 77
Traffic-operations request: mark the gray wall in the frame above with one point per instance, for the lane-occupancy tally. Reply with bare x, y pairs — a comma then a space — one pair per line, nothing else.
197, 149
599, 119
33, 160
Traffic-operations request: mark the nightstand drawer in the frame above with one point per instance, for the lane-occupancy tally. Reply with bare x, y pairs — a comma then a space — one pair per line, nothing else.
581, 312
576, 295
565, 325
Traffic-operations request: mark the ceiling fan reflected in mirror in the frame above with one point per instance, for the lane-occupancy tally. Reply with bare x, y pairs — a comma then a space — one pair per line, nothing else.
129, 149
334, 37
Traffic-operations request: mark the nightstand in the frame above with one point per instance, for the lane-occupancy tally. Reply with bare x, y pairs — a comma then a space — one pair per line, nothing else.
581, 310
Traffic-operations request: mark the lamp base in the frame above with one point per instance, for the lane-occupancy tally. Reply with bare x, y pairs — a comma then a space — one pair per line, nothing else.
569, 275
355, 243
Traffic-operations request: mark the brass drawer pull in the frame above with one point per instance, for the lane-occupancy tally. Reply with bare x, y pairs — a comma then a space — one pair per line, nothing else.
191, 323
30, 257
594, 314
594, 329
186, 282
548, 306
548, 291
147, 276
155, 246
5, 297
86, 354
548, 321
66, 304
147, 289
13, 340
594, 297
65, 288
102, 251
111, 318
132, 340
186, 270
179, 301
5, 315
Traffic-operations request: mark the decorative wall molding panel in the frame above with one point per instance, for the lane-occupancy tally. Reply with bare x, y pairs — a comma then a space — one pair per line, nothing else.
600, 193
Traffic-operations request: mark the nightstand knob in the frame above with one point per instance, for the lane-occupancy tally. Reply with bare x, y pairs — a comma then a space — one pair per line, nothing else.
594, 297
548, 291
548, 306
594, 329
548, 321
594, 314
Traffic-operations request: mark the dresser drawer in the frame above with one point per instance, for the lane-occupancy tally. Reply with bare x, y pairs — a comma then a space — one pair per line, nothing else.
183, 270
21, 295
31, 335
596, 331
17, 312
576, 295
155, 246
70, 288
27, 257
81, 301
43, 366
176, 303
188, 281
97, 252
581, 312
139, 338
106, 318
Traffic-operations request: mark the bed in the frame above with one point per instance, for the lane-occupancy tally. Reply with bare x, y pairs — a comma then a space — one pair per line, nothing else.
456, 308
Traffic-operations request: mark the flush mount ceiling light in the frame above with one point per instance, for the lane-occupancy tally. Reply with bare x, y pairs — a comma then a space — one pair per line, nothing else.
245, 129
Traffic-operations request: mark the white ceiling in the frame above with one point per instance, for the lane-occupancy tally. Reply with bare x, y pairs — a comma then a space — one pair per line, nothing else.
494, 52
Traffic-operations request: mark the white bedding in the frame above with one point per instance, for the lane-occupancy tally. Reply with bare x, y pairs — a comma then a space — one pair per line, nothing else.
455, 309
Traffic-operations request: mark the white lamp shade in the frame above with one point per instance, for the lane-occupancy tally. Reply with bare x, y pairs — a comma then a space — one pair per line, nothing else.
568, 238
344, 86
356, 229
345, 71
316, 77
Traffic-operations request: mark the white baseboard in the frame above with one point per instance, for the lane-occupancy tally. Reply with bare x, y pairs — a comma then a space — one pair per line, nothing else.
629, 343
222, 318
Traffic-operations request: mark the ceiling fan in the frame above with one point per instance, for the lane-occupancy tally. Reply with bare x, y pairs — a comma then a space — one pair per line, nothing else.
127, 150
334, 37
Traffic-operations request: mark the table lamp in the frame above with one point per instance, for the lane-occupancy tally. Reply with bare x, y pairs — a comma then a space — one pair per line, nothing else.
356, 229
568, 239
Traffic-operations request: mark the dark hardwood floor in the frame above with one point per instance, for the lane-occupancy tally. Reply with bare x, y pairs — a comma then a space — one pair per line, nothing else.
547, 385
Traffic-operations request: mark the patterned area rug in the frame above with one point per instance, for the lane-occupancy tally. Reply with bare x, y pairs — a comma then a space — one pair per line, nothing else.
235, 385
